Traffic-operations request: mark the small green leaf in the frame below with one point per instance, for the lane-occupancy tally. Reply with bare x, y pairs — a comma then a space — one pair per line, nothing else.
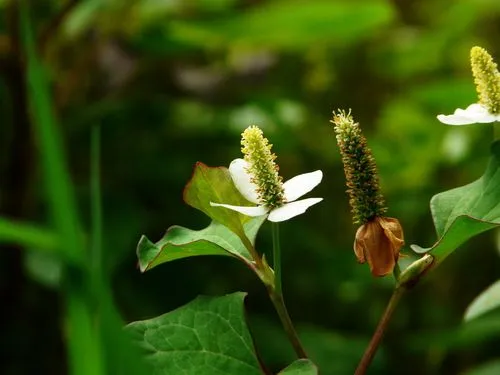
214, 184
180, 242
462, 213
484, 302
300, 367
207, 336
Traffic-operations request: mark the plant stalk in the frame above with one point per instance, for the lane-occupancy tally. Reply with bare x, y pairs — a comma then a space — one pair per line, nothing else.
379, 332
96, 202
277, 258
276, 295
286, 321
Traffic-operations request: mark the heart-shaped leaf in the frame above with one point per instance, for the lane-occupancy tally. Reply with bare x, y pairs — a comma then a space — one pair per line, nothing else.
300, 367
488, 300
214, 184
209, 335
180, 242
462, 213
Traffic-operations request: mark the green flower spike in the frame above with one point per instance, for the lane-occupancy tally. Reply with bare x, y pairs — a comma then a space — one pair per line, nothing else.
379, 238
257, 179
487, 80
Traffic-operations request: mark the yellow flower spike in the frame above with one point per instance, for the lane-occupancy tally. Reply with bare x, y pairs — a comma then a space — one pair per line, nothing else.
261, 166
486, 78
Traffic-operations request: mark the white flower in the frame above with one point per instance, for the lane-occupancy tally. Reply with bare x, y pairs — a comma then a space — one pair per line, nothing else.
475, 113
293, 189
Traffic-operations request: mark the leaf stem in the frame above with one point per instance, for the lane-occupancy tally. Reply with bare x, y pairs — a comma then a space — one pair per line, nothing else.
253, 253
277, 258
279, 305
379, 332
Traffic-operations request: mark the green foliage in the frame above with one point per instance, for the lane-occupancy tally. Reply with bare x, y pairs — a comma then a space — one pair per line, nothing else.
488, 300
490, 368
462, 213
207, 336
28, 235
287, 25
181, 242
63, 212
165, 79
300, 367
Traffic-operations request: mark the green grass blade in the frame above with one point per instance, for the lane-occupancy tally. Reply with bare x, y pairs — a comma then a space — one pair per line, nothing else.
83, 343
96, 202
28, 235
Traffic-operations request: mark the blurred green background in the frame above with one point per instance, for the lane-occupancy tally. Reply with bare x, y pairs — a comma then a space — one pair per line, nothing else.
172, 82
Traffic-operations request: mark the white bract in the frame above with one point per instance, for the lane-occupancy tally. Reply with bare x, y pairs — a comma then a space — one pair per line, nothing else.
293, 189
475, 113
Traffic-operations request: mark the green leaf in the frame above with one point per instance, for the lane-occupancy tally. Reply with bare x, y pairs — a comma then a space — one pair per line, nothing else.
462, 213
300, 367
290, 25
28, 235
207, 336
180, 242
484, 302
214, 184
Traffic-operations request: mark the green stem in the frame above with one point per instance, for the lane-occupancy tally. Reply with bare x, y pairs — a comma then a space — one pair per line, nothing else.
279, 305
95, 202
253, 253
379, 332
396, 272
277, 258
276, 295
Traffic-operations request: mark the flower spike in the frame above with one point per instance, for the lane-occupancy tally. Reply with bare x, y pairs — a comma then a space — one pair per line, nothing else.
486, 78
261, 166
379, 239
360, 170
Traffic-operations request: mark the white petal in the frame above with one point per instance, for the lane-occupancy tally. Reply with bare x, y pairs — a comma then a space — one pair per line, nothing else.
479, 113
454, 120
293, 209
242, 180
475, 113
301, 184
245, 210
